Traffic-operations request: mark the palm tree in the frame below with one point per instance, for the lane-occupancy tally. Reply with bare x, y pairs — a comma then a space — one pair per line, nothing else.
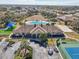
47, 25
58, 41
43, 38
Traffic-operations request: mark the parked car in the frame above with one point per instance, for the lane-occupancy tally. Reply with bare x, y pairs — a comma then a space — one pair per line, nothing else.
50, 51
63, 42
55, 49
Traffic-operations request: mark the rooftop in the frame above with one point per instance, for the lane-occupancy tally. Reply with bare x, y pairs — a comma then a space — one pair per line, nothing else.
32, 29
66, 17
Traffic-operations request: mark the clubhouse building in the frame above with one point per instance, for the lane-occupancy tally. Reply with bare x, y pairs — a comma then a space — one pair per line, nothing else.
34, 26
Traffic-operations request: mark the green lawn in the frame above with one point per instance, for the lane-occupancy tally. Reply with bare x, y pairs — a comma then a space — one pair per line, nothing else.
72, 35
5, 32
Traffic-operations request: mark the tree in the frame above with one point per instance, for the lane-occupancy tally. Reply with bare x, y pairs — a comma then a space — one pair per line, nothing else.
58, 41
53, 19
43, 38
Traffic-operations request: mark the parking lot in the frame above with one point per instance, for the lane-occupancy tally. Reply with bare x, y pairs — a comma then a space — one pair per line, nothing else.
7, 52
42, 53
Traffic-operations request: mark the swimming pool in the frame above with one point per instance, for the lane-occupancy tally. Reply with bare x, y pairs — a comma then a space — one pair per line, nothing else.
73, 52
36, 22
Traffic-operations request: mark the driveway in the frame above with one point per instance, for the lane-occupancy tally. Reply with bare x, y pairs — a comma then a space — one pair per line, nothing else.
38, 52
42, 53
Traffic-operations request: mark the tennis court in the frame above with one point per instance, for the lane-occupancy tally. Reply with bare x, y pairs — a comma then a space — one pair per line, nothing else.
73, 52
70, 51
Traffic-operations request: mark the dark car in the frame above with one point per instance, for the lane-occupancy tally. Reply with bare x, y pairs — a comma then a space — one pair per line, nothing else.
55, 49
50, 51
63, 42
43, 45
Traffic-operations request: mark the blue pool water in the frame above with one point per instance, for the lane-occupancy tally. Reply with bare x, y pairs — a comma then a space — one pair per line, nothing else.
38, 22
73, 52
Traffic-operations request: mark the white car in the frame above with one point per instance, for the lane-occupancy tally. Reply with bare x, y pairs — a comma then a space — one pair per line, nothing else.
50, 51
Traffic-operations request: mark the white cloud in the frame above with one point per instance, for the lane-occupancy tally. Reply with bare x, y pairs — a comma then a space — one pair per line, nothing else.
58, 2
41, 2
17, 1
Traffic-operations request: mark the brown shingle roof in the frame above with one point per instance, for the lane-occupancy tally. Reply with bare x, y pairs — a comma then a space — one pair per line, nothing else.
28, 28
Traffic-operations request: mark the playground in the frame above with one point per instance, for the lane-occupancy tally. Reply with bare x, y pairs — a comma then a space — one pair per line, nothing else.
8, 29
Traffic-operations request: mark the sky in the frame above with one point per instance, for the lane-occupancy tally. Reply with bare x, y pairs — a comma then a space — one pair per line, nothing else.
41, 2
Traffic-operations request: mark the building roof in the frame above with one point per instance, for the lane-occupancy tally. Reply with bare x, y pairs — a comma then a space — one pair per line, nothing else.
36, 17
37, 29
66, 17
24, 29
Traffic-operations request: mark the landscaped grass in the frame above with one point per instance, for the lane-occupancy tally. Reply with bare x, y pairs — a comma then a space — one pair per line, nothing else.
18, 57
51, 41
70, 41
5, 32
72, 35
23, 40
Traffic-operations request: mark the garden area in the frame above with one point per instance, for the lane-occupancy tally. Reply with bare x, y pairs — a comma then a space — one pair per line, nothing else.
24, 52
51, 42
10, 41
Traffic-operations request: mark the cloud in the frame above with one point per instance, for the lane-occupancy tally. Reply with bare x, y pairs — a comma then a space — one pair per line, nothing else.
17, 1
41, 2
58, 2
